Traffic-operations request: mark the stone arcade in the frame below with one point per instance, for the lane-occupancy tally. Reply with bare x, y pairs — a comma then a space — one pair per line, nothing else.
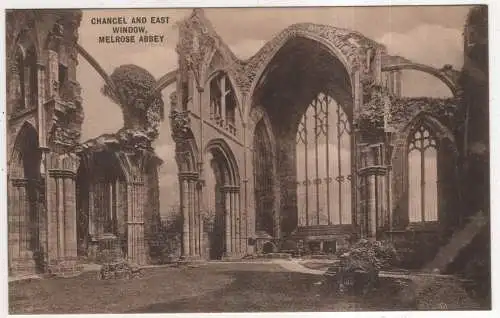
309, 139
71, 201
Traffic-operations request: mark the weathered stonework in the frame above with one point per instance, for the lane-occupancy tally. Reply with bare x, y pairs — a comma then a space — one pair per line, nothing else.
44, 126
380, 119
70, 200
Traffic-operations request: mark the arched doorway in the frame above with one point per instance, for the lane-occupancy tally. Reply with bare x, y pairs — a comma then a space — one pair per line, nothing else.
25, 201
102, 207
222, 186
307, 94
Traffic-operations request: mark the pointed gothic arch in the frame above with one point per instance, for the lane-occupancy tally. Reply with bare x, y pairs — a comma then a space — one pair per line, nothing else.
227, 227
25, 189
426, 157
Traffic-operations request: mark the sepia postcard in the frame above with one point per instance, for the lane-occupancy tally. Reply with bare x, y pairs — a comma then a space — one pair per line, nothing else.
229, 160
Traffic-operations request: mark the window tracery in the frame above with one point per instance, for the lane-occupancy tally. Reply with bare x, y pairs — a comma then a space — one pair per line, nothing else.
324, 164
422, 176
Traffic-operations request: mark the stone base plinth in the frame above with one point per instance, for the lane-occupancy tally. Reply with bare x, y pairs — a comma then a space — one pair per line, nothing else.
232, 257
22, 266
64, 268
191, 259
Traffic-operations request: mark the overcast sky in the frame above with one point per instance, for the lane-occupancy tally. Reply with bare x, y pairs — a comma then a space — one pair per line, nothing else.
428, 35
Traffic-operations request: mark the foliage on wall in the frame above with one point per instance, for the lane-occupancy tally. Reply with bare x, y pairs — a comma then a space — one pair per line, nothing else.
383, 110
133, 91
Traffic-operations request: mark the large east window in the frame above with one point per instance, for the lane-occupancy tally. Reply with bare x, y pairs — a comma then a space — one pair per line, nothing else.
422, 176
324, 164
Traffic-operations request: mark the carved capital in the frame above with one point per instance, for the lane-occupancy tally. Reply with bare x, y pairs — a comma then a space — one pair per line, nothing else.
372, 171
230, 189
19, 182
180, 125
59, 173
189, 176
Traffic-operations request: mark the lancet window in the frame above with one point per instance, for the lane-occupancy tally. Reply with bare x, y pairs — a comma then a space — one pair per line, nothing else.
25, 82
324, 184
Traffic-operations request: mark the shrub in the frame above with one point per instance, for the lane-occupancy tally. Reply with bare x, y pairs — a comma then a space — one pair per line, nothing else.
165, 244
362, 263
375, 255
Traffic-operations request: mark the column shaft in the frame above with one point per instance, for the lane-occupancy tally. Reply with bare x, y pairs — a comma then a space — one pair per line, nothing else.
238, 222
191, 205
23, 218
196, 220
52, 229
14, 226
70, 218
185, 217
228, 222
60, 218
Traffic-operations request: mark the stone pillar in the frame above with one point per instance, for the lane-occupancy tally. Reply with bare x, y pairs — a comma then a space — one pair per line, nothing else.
190, 209
183, 182
70, 219
53, 73
192, 227
135, 224
228, 221
14, 87
42, 115
92, 218
60, 217
52, 245
237, 209
197, 211
61, 213
21, 258
373, 176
